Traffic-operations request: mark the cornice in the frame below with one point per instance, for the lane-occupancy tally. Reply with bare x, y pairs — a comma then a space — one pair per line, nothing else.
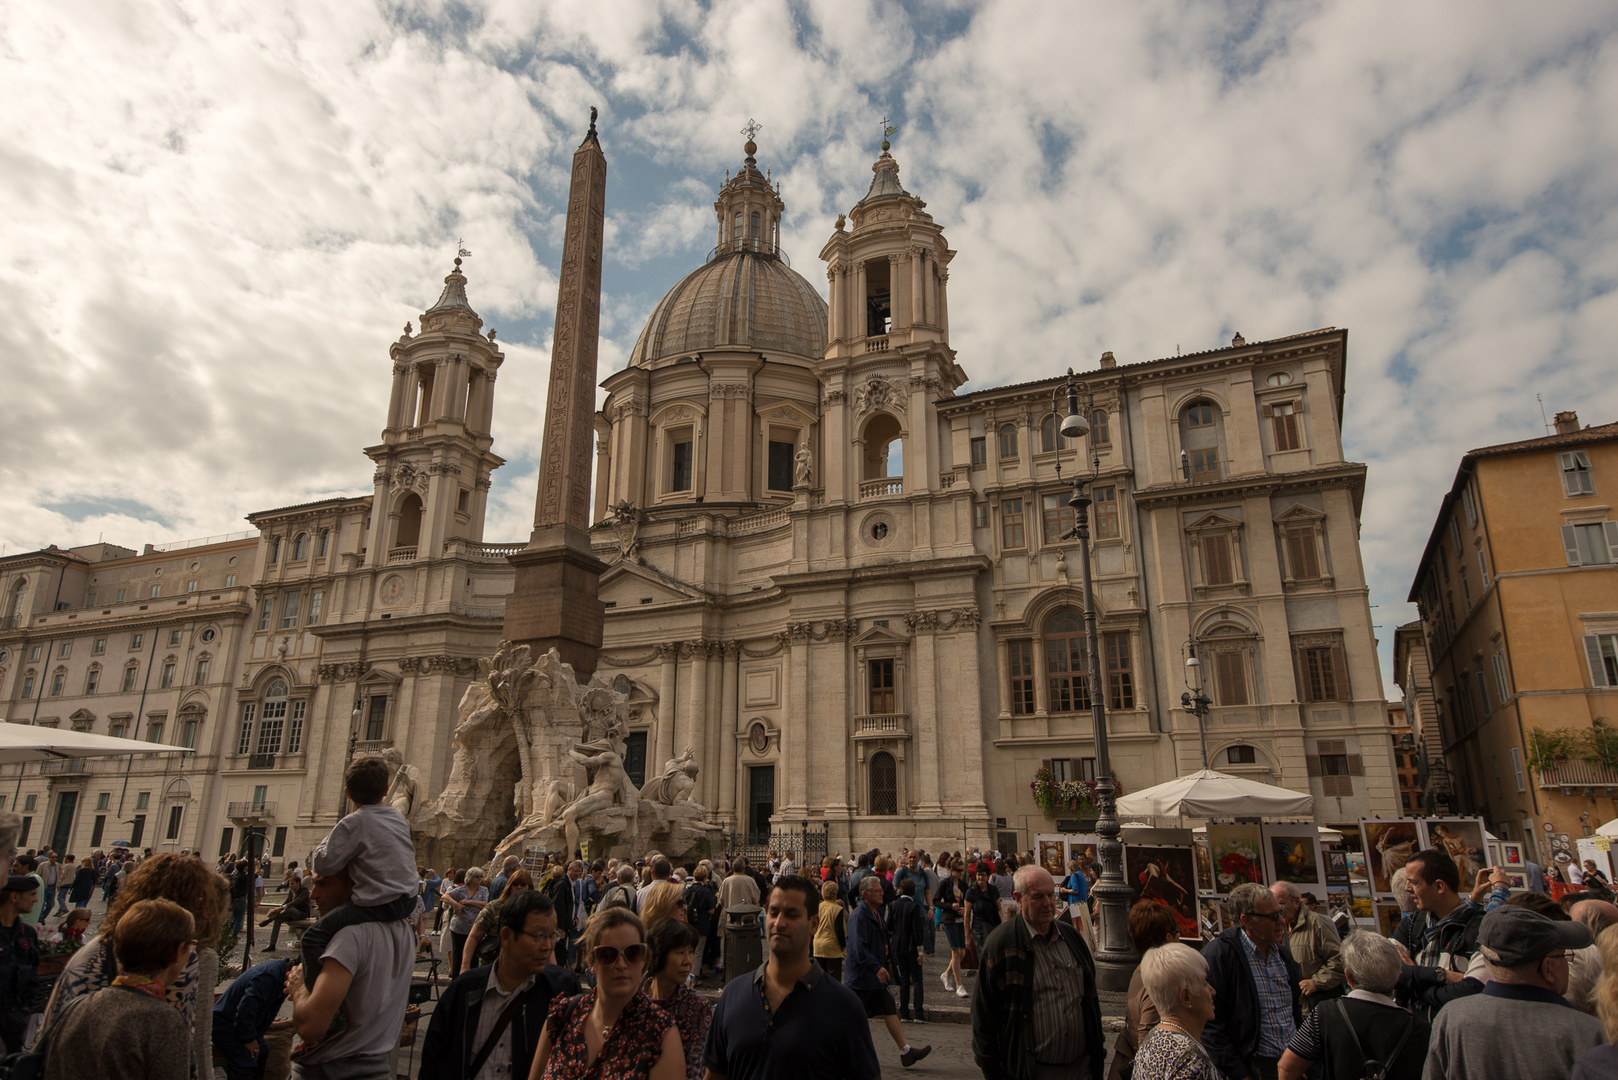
1347, 475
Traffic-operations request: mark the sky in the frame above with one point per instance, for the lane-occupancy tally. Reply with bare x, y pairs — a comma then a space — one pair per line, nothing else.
218, 215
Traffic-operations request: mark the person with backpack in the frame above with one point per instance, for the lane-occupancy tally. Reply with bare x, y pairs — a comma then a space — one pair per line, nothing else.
700, 904
1366, 1034
621, 894
1438, 941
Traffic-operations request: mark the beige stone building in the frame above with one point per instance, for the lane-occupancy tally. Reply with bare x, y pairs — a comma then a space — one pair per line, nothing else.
834, 575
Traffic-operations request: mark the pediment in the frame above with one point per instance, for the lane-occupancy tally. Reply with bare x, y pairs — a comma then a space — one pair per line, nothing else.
627, 585
880, 635
787, 412
1212, 521
1299, 514
83, 716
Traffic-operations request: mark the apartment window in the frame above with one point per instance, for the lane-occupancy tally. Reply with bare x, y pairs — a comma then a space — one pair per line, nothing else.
64, 650
980, 515
103, 800
1284, 425
1335, 766
120, 595
137, 830
154, 590
1240, 755
98, 646
1592, 543
980, 450
27, 687
1020, 669
135, 641
29, 803
1011, 531
325, 542
202, 672
118, 729
1498, 660
97, 829
174, 637
275, 550
295, 728
1230, 676
1120, 676
1217, 565
92, 679
1576, 477
884, 784
244, 740
1058, 517
1199, 415
191, 585
1302, 557
90, 598
188, 734
1516, 770
781, 465
1067, 664
168, 676
1105, 512
316, 600
129, 679
154, 730
1204, 465
265, 609
680, 455
58, 680
175, 813
230, 581
1470, 506
1048, 433
1601, 653
300, 547
1323, 672
1483, 696
1100, 431
33, 654
290, 603
376, 720
881, 698
1006, 439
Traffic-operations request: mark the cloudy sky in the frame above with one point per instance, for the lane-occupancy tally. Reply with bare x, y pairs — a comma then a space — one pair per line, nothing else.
217, 216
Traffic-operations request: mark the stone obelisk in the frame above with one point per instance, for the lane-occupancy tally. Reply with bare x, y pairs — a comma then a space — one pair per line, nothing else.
554, 603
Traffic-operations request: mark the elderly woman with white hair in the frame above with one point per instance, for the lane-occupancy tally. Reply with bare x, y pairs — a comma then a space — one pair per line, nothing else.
1176, 978
1365, 1025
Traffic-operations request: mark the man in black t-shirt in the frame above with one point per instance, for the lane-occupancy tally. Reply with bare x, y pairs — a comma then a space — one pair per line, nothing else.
788, 1020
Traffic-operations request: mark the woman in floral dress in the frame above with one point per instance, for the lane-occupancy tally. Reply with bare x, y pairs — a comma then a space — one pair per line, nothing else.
672, 953
613, 1032
1176, 978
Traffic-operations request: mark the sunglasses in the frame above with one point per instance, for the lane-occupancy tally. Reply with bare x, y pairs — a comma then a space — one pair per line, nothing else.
607, 955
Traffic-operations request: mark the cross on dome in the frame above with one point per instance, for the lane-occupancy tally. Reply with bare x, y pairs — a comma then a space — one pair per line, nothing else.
751, 129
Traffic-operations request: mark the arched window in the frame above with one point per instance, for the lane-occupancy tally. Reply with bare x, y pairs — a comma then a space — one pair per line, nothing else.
1048, 433
1008, 441
884, 784
754, 234
1199, 434
884, 449
14, 602
325, 541
409, 522
273, 713
1067, 662
300, 547
1100, 433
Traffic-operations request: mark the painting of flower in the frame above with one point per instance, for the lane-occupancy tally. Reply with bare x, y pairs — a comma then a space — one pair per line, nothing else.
1237, 856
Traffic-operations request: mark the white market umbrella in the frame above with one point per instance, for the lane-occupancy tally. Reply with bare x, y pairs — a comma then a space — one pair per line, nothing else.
1609, 830
29, 742
1210, 794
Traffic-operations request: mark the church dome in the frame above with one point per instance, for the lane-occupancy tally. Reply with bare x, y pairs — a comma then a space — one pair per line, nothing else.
747, 298
747, 294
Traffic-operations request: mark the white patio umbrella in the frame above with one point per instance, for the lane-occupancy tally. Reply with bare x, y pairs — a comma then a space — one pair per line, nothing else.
28, 742
1609, 830
1207, 794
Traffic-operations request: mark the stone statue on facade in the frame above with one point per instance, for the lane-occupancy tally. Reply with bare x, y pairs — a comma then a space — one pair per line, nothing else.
406, 783
803, 462
678, 780
626, 522
878, 393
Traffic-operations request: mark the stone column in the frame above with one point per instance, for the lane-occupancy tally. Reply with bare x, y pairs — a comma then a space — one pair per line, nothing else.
924, 726
728, 725
694, 715
918, 286
795, 745
554, 601
857, 308
833, 306
667, 707
401, 375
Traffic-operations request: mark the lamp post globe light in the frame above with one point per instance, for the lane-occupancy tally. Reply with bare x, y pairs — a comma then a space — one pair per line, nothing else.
1115, 958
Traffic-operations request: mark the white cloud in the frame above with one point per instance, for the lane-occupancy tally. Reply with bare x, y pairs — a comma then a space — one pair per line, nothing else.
219, 217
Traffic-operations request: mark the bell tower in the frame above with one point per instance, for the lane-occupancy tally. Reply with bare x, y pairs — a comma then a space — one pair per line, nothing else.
888, 359
433, 464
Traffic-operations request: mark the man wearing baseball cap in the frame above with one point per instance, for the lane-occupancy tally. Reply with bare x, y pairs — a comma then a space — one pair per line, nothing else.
1520, 1025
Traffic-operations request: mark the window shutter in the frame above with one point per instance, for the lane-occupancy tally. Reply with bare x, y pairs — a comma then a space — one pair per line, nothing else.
1339, 671
1232, 678
1587, 483
1314, 764
1570, 541
1073, 768
1216, 554
1592, 655
1046, 765
1356, 765
1269, 411
1610, 528
1332, 746
1570, 481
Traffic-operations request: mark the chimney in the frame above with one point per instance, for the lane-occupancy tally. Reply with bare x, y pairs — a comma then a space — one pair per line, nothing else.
1567, 423
1108, 360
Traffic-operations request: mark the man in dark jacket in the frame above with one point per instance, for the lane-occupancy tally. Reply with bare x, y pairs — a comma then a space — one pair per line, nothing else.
1035, 977
1257, 1002
1437, 942
906, 935
559, 891
867, 968
242, 1016
519, 986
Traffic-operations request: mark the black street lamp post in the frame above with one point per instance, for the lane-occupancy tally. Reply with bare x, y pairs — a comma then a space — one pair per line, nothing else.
1196, 700
1115, 958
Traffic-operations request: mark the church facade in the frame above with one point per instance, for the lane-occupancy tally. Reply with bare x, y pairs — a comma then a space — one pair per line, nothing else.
838, 579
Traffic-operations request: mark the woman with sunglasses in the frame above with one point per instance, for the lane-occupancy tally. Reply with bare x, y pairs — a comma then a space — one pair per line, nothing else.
615, 1031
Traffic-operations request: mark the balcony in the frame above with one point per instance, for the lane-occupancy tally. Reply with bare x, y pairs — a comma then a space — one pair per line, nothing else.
401, 555
877, 344
10, 622
261, 761
251, 811
882, 726
64, 766
1575, 776
885, 488
371, 746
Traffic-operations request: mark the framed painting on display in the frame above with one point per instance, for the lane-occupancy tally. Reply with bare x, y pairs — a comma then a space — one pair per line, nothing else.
1462, 840
1237, 855
1293, 852
1053, 857
1205, 882
1164, 875
1388, 846
1511, 854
